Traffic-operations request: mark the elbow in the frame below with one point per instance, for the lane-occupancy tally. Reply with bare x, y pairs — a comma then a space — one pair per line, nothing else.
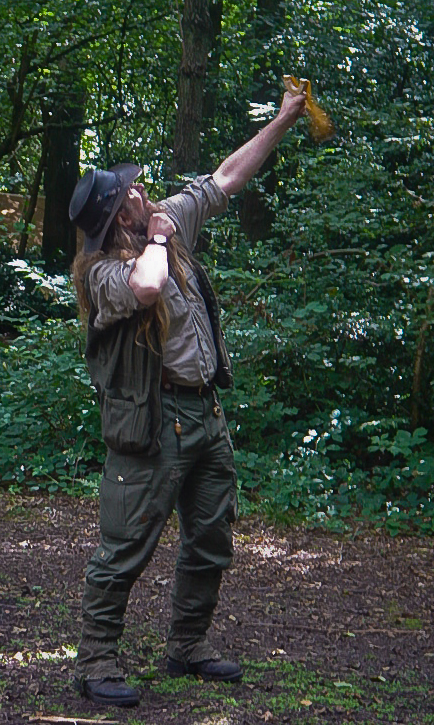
226, 182
147, 294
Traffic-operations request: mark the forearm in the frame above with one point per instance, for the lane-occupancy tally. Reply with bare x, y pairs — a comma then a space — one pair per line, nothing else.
235, 171
243, 164
150, 274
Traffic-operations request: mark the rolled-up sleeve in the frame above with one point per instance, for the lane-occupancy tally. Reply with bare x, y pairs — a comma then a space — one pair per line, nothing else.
111, 294
190, 209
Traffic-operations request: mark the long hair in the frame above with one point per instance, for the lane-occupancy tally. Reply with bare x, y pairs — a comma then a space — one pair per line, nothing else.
123, 244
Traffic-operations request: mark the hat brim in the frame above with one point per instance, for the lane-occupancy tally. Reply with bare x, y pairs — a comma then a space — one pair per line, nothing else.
128, 173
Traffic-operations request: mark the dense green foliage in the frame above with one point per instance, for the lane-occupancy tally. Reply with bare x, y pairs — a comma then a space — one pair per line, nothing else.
48, 412
48, 408
329, 315
111, 55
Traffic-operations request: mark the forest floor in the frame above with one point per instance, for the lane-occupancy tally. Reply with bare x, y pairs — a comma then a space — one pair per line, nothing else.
329, 629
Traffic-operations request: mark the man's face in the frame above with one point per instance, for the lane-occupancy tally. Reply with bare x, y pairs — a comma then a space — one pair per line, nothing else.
135, 209
137, 197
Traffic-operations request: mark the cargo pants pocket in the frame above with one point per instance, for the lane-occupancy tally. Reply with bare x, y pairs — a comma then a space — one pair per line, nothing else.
127, 510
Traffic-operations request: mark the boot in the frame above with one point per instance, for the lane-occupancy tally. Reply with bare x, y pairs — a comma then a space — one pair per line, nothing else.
108, 691
216, 670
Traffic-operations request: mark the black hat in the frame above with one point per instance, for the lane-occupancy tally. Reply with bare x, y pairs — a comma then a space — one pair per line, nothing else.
96, 199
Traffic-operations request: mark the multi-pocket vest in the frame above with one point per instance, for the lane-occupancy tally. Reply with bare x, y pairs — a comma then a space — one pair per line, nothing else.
126, 373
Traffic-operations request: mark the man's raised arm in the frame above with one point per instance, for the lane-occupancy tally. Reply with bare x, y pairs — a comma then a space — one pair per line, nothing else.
243, 164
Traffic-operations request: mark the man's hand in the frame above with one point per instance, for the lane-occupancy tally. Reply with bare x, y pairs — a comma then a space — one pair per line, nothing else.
160, 223
292, 108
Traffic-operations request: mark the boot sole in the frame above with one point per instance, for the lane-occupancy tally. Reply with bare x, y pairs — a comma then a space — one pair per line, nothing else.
176, 670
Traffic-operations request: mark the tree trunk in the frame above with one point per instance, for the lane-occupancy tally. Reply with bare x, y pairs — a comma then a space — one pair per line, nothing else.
255, 215
197, 42
418, 363
61, 174
213, 68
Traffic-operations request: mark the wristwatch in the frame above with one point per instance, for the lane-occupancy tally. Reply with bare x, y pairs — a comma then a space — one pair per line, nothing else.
158, 239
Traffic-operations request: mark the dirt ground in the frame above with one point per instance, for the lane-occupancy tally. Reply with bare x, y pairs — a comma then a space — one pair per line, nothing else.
332, 610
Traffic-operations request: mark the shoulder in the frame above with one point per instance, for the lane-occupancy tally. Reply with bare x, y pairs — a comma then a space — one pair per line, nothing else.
202, 191
197, 202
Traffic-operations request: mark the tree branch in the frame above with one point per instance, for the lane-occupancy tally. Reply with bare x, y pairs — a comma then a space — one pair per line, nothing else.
5, 147
336, 252
292, 260
33, 199
122, 51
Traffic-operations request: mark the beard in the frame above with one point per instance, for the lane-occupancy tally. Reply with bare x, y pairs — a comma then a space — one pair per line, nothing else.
131, 239
140, 220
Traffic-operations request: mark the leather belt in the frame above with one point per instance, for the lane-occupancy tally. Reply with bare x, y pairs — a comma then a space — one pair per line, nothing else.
168, 387
202, 390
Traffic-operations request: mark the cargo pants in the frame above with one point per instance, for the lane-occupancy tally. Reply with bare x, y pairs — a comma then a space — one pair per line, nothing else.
195, 473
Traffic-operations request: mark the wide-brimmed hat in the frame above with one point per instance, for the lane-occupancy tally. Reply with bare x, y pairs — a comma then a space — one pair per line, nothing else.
96, 199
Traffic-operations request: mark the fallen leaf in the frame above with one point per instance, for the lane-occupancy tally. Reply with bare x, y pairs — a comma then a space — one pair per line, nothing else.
339, 683
72, 720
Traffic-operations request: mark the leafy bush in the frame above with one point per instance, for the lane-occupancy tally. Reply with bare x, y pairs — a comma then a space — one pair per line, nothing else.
320, 412
319, 421
309, 476
24, 287
49, 417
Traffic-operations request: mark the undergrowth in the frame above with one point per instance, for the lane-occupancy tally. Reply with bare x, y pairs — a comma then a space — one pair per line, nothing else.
329, 468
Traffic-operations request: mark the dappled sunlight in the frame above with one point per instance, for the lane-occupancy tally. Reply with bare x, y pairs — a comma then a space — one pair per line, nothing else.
268, 551
24, 657
13, 548
216, 720
265, 548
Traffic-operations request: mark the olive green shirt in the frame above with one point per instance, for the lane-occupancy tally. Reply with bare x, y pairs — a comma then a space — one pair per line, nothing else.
189, 354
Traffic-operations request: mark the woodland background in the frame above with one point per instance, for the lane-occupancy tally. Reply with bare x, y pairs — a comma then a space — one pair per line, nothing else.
323, 265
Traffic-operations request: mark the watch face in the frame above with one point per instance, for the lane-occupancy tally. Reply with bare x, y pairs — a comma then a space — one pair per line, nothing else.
159, 239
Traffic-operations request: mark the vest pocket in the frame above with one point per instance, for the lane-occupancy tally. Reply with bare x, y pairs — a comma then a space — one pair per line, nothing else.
125, 425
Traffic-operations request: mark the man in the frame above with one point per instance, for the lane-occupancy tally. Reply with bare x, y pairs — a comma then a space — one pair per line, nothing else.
155, 353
